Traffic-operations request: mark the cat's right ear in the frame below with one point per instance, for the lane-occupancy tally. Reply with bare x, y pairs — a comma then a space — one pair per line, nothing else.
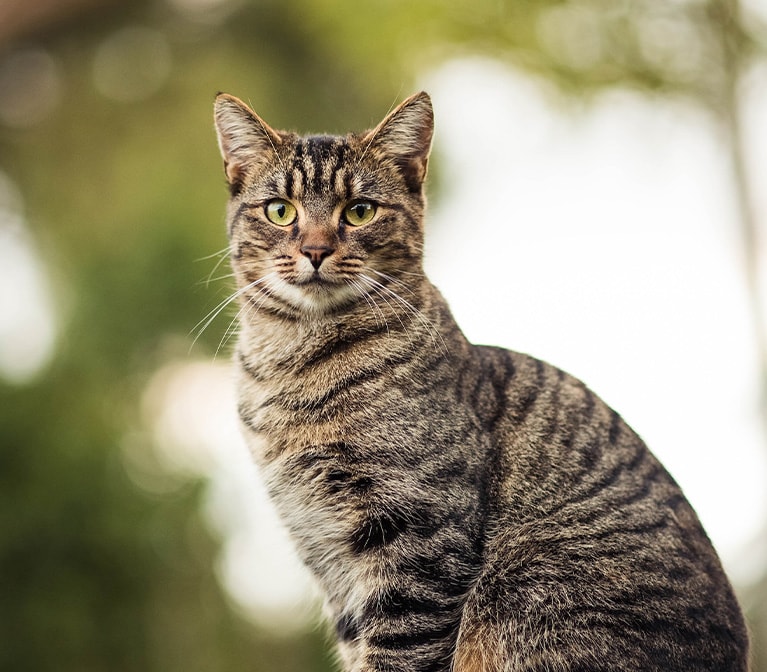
406, 135
245, 140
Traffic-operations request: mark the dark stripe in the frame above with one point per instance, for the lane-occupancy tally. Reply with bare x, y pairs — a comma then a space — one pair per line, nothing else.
294, 404
589, 455
439, 572
393, 603
597, 488
397, 207
347, 628
340, 160
477, 388
248, 245
318, 152
247, 419
531, 395
311, 455
244, 207
635, 530
414, 638
609, 478
340, 480
247, 368
289, 184
500, 386
379, 530
344, 343
286, 312
450, 470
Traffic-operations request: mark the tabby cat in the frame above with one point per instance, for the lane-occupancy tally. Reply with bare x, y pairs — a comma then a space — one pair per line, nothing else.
464, 508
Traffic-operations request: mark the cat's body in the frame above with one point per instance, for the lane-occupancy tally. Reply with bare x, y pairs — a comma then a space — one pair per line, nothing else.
463, 508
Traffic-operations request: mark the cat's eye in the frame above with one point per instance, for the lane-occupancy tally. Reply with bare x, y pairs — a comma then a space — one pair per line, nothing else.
281, 212
358, 213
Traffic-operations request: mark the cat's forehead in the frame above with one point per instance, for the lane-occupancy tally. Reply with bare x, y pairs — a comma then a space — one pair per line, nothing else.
321, 165
317, 149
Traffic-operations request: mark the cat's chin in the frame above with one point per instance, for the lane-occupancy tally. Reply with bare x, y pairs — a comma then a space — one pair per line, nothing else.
317, 298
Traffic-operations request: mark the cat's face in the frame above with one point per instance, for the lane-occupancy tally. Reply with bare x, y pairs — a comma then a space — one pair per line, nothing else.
319, 224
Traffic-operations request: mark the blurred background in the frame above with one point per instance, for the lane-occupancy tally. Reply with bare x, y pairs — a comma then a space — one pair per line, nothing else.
597, 198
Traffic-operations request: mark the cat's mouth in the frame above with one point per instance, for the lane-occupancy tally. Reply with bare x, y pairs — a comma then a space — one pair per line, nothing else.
317, 294
317, 280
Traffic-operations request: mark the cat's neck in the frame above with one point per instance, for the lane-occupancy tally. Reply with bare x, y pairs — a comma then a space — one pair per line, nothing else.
275, 345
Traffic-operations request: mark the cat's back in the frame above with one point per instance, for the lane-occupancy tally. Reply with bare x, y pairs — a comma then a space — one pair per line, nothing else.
588, 531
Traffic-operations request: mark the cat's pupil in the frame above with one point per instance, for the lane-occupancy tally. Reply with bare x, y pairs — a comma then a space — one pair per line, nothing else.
359, 210
281, 210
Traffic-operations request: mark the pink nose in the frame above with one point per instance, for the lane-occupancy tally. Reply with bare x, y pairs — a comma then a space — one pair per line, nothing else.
316, 254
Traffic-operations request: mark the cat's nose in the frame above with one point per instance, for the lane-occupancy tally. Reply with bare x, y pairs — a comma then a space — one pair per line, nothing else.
317, 254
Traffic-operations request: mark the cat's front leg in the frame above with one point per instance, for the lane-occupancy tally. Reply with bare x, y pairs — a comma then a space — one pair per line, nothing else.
395, 551
408, 614
414, 641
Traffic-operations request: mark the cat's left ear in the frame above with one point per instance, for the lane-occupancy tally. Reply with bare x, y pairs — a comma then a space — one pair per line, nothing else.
245, 140
406, 135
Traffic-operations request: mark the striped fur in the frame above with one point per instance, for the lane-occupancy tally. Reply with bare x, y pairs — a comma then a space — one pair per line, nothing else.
463, 508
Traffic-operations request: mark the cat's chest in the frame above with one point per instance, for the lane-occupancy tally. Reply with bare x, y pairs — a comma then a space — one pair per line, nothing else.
324, 492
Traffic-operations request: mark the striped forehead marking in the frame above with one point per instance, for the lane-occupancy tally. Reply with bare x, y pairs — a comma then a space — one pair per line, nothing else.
318, 164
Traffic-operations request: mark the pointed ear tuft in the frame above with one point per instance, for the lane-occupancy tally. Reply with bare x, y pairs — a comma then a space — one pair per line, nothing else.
405, 134
244, 139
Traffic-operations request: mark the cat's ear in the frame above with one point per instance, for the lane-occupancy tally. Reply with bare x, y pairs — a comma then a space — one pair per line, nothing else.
244, 139
406, 135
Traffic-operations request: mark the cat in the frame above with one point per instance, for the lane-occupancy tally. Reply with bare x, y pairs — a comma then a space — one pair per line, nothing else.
463, 508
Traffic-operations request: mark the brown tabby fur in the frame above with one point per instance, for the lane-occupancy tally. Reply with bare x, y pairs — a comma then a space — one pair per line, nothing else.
463, 507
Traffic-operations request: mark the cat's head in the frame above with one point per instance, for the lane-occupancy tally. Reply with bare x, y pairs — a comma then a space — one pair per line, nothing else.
318, 224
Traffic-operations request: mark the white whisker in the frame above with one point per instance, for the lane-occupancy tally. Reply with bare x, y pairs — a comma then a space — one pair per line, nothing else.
417, 314
223, 254
248, 308
382, 295
394, 280
206, 321
375, 308
220, 253
218, 278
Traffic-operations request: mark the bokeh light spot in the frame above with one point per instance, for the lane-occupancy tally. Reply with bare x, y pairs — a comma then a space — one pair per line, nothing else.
27, 319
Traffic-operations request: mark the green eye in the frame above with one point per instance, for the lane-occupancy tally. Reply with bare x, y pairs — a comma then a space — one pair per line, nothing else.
358, 213
281, 213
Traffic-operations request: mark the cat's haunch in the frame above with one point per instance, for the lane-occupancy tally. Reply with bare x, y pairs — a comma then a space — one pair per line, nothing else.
464, 508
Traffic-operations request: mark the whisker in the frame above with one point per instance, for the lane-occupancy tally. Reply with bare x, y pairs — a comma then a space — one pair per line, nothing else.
417, 314
208, 280
371, 302
206, 321
223, 252
393, 280
381, 294
231, 330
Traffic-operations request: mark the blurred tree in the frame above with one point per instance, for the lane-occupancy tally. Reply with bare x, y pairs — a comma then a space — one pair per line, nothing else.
109, 138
